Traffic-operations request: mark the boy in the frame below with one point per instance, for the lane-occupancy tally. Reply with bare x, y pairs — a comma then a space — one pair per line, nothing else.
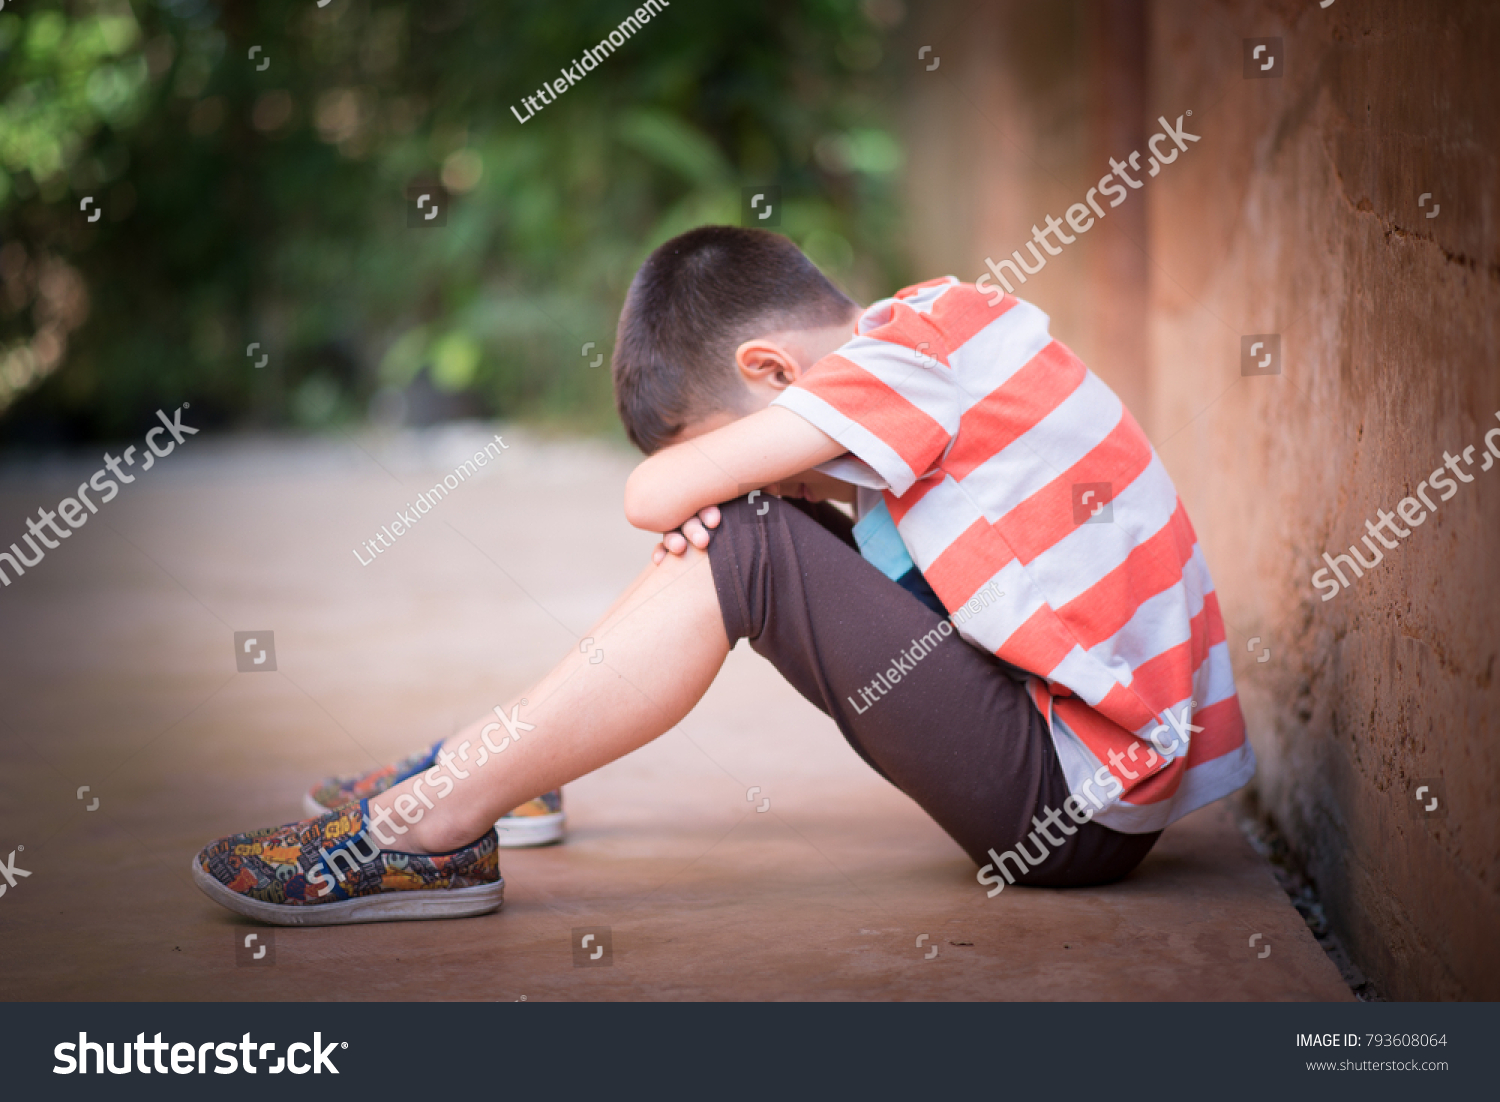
1082, 684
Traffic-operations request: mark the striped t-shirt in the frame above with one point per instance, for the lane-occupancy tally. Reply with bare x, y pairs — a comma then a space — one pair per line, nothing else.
1007, 466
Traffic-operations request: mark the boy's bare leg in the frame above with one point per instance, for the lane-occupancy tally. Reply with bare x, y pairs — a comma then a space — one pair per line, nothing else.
663, 643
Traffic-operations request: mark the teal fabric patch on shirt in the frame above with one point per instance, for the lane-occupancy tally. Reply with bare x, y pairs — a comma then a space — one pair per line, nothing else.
881, 545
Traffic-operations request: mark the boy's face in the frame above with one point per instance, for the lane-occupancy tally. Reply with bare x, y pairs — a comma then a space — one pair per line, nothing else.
768, 365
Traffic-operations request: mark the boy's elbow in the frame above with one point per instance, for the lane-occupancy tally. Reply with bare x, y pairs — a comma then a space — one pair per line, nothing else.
641, 517
643, 506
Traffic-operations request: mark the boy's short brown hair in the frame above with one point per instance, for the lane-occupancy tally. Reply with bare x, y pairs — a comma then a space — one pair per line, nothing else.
695, 300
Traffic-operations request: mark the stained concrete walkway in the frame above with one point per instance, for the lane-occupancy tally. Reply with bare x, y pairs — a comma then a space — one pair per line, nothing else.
117, 672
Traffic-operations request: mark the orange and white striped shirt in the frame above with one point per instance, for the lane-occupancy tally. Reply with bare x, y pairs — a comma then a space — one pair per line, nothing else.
1007, 465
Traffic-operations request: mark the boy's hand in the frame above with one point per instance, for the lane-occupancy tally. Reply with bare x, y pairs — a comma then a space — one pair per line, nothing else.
693, 531
809, 485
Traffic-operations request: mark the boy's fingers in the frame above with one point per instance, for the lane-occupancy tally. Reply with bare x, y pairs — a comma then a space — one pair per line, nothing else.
694, 531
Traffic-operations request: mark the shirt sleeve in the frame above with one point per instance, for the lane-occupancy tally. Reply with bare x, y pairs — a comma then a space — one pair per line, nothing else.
888, 395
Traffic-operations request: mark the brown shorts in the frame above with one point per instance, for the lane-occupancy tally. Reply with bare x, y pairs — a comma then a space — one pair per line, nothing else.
957, 733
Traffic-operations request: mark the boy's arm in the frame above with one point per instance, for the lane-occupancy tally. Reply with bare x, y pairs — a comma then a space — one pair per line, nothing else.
674, 484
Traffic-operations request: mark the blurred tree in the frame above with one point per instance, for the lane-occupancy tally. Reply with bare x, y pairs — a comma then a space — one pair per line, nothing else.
179, 180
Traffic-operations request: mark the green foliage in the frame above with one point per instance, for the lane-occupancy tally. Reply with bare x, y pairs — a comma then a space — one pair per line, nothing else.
243, 204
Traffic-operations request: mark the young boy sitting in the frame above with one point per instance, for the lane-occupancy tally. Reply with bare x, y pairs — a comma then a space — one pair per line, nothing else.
1020, 632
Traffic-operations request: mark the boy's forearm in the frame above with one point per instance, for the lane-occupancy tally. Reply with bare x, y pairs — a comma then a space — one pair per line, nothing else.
755, 451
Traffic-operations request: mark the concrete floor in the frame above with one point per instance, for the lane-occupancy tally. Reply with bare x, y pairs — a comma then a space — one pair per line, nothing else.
117, 672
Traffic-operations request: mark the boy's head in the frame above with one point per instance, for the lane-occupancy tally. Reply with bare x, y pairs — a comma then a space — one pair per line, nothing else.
716, 323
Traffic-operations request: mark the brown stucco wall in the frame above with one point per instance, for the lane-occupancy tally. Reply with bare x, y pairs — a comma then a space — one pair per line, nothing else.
1296, 213
1301, 217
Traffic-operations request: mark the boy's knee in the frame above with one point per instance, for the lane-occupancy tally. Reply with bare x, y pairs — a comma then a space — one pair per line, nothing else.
759, 509
761, 537
754, 536
741, 526
744, 509
762, 522
745, 518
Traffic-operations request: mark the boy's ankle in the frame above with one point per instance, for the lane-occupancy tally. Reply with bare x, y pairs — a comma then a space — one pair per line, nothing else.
432, 832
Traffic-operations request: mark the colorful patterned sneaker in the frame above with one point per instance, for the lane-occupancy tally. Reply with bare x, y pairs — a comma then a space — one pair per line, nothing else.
338, 791
538, 822
330, 870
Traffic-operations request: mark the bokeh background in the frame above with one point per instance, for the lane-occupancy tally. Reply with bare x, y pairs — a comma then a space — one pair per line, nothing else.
243, 204
1347, 203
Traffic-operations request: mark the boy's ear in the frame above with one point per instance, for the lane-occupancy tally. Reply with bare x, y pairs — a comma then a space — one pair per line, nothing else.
764, 362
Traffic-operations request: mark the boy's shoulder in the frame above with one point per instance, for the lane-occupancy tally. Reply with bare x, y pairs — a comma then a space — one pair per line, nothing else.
945, 306
935, 320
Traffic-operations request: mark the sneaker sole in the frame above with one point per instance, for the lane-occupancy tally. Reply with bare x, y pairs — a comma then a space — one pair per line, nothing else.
391, 907
521, 832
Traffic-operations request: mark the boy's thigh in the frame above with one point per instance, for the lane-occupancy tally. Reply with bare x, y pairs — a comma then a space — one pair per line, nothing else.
937, 717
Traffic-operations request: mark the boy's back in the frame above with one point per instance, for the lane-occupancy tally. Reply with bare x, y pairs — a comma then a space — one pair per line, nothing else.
1007, 466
